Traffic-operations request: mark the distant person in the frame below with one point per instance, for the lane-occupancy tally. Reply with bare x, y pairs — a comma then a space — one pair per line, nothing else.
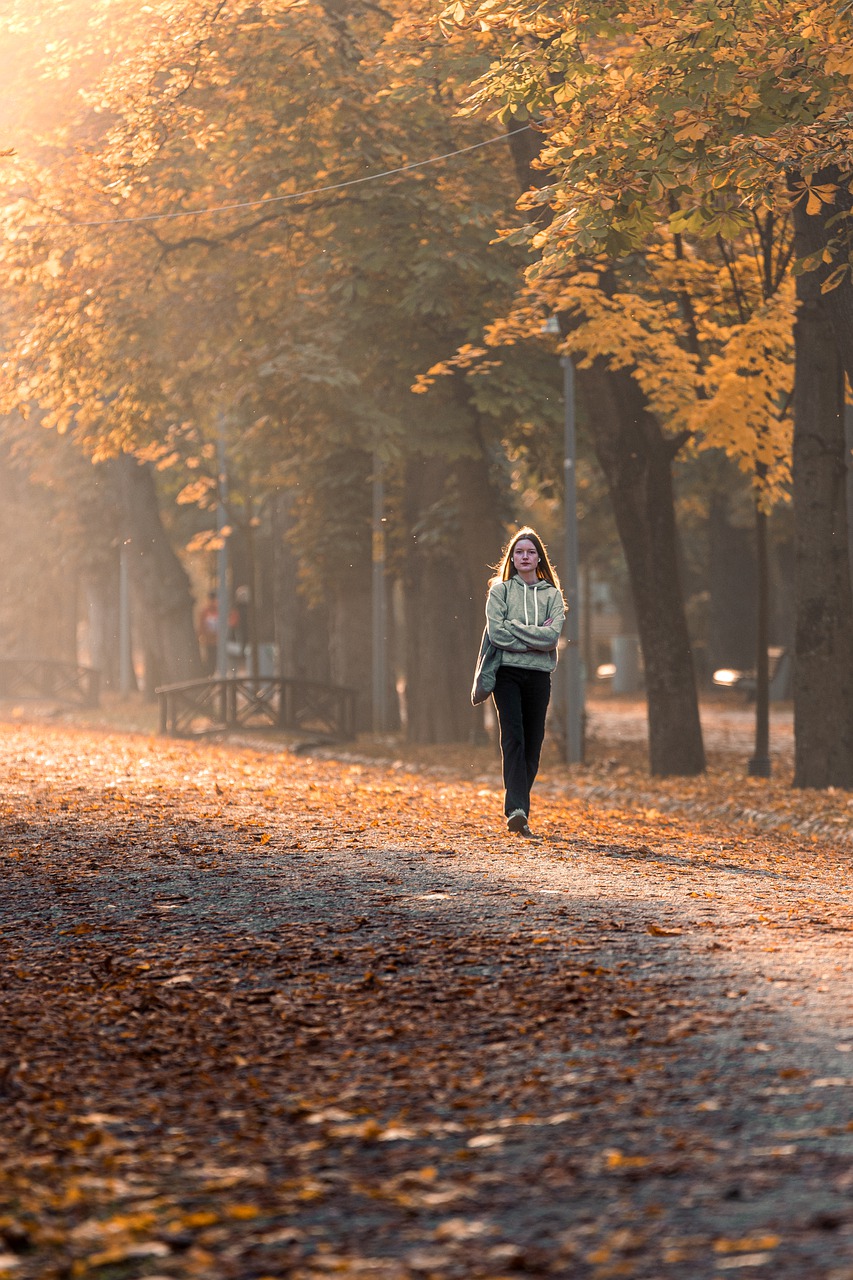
525, 611
208, 633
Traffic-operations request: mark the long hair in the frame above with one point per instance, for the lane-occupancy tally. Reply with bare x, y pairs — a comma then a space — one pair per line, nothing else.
505, 569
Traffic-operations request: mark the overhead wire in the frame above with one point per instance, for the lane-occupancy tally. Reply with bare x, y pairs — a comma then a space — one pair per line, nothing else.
268, 200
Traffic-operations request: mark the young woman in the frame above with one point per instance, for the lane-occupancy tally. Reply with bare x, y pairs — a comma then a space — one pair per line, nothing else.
524, 616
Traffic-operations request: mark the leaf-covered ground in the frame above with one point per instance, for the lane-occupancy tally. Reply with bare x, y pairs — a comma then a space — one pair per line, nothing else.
264, 1014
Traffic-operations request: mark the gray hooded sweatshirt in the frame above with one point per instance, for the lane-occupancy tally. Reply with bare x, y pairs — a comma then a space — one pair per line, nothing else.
516, 615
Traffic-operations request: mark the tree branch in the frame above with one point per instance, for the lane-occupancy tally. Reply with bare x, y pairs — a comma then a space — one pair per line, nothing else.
728, 262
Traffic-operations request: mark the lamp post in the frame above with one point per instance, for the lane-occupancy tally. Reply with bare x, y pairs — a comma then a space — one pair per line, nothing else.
222, 609
125, 652
574, 674
569, 577
379, 603
759, 765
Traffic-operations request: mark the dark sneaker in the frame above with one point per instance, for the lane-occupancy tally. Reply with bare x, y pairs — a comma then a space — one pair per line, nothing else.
528, 834
517, 821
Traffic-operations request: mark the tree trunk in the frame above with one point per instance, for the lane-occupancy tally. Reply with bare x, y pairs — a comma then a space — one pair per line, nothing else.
301, 629
813, 235
636, 460
759, 765
483, 533
41, 558
446, 577
637, 463
437, 695
252, 638
160, 584
101, 593
823, 661
351, 635
733, 586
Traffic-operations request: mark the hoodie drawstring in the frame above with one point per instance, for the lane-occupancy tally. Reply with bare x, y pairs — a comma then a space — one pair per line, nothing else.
535, 607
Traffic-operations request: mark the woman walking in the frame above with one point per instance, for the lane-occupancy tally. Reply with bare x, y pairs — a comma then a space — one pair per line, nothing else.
525, 611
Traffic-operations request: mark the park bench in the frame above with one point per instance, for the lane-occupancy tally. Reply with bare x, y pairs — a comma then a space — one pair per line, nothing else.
218, 704
43, 678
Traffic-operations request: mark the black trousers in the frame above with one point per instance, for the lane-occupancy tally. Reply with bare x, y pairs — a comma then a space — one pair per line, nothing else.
521, 697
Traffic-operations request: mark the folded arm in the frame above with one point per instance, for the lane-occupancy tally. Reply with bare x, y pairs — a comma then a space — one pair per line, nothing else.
519, 637
544, 637
499, 626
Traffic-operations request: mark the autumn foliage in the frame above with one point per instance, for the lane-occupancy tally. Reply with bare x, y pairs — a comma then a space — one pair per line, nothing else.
209, 258
268, 1015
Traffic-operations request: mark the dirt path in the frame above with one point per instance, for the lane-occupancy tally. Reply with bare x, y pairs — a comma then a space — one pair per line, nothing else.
728, 724
265, 1016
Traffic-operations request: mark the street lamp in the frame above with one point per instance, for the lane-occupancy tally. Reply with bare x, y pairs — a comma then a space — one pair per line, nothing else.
569, 577
222, 555
125, 649
574, 674
379, 602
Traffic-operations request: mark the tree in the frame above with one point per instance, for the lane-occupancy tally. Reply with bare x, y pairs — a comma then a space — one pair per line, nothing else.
823, 670
696, 119
51, 551
160, 581
304, 320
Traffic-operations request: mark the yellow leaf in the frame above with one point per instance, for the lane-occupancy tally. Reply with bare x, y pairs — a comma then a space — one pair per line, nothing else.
834, 280
202, 1218
745, 1244
616, 1160
243, 1212
692, 132
129, 1253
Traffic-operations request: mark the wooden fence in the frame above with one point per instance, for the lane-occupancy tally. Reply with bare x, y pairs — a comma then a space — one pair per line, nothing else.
256, 702
41, 678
